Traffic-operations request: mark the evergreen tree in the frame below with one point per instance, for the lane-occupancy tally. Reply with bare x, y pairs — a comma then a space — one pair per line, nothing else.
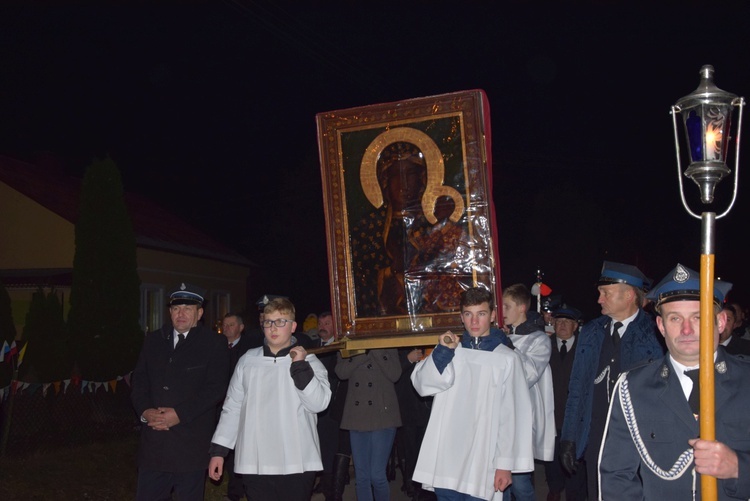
47, 357
105, 294
7, 333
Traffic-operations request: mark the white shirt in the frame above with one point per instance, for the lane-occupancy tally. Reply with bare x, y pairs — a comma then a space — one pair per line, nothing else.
625, 324
685, 381
175, 337
568, 342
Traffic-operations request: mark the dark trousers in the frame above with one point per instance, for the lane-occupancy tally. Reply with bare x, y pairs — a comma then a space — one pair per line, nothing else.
558, 480
158, 485
293, 487
235, 488
328, 434
408, 441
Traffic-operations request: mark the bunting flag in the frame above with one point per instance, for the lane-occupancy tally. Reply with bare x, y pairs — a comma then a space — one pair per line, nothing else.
5, 350
13, 349
22, 353
17, 386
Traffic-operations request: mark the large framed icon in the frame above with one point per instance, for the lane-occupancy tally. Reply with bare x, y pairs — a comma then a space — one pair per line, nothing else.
410, 222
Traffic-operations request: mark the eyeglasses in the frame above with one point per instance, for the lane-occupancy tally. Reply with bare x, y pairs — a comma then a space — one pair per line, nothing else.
279, 322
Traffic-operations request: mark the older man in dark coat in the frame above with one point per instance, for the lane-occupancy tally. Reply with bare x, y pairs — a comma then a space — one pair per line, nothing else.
623, 337
564, 344
181, 376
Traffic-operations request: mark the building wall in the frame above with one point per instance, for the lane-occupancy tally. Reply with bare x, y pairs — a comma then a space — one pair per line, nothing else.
32, 236
166, 270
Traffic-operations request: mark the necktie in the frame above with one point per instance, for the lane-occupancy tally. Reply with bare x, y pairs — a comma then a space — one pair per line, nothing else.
231, 346
563, 349
180, 339
695, 394
616, 335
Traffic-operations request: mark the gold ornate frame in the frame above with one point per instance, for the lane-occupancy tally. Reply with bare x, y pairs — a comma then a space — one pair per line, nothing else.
452, 131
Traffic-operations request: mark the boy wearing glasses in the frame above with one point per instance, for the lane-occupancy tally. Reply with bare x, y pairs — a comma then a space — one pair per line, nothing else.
269, 415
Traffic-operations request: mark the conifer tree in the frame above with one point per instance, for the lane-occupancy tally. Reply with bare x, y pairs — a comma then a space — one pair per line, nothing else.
105, 294
47, 357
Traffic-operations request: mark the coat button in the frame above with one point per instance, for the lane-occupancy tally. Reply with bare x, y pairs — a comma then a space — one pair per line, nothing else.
356, 402
166, 388
385, 358
369, 384
356, 384
369, 366
653, 435
369, 402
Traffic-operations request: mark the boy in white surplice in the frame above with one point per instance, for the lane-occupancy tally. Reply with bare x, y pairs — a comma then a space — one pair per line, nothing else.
481, 420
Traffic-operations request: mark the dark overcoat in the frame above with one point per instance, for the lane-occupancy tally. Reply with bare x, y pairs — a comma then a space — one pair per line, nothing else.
192, 379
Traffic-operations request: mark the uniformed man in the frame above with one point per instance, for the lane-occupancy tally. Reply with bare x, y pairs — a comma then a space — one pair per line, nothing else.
564, 344
623, 337
181, 376
734, 344
651, 450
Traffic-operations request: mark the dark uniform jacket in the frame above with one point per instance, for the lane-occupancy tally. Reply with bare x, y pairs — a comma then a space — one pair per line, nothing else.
192, 379
561, 370
640, 343
666, 422
245, 343
739, 347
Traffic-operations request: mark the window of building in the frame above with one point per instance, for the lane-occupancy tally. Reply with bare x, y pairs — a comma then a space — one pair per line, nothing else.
152, 307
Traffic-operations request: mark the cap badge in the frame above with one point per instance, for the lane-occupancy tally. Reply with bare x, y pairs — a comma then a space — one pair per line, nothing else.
182, 286
664, 371
721, 367
681, 275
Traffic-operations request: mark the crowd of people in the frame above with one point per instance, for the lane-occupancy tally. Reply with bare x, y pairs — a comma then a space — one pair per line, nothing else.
607, 406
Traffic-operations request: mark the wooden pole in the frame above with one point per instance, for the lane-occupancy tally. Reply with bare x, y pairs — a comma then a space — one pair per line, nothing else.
707, 416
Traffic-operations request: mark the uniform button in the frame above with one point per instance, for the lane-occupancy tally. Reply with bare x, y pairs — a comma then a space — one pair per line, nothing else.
369, 384
356, 403
356, 384
612, 360
369, 402
653, 435
369, 366
166, 388
385, 358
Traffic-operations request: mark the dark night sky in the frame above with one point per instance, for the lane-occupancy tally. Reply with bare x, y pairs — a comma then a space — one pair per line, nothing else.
209, 108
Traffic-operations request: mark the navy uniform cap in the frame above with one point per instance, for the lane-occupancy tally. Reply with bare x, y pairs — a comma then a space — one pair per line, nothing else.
570, 313
684, 284
552, 303
187, 294
619, 273
265, 299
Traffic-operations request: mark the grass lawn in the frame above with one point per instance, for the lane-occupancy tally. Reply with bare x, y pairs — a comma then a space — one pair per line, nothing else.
104, 471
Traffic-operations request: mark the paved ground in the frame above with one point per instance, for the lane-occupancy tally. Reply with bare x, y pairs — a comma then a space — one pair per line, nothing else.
396, 494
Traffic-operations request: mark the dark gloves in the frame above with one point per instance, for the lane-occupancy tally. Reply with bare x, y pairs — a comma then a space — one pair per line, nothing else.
568, 456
